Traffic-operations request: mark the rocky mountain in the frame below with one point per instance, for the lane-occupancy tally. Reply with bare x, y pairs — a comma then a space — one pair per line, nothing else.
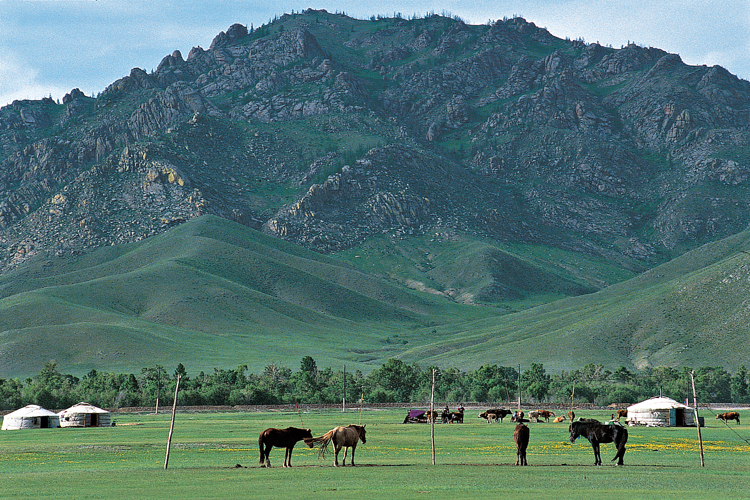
330, 132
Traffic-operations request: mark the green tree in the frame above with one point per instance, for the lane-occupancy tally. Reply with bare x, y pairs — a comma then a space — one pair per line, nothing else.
535, 382
739, 386
712, 384
394, 379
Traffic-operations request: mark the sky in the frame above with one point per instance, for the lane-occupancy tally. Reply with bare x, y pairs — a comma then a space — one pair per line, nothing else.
49, 47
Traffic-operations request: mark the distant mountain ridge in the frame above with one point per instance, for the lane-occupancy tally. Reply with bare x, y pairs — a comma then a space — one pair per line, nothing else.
485, 164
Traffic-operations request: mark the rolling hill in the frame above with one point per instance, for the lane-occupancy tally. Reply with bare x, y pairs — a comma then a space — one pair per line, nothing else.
213, 293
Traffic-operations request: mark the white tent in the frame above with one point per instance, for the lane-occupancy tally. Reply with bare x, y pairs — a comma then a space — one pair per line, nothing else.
31, 417
85, 415
660, 412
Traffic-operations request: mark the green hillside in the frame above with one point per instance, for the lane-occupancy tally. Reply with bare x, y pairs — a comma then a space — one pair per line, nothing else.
692, 311
213, 293
207, 293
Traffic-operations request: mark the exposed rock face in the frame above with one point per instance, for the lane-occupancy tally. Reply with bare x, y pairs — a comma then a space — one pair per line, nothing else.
327, 131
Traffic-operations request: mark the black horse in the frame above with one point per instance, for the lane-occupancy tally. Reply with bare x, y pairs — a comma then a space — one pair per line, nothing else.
601, 433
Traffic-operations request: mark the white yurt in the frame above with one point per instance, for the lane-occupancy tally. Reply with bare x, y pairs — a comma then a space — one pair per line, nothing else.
85, 415
31, 417
660, 412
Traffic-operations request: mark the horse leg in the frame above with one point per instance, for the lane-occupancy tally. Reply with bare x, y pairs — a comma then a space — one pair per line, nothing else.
265, 454
597, 455
354, 447
620, 454
346, 452
288, 456
336, 450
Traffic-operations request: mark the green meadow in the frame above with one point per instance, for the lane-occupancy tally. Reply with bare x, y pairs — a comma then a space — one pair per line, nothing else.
215, 455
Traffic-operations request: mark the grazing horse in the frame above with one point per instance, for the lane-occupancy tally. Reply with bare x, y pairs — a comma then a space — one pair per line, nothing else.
598, 433
521, 437
281, 438
342, 437
622, 413
730, 415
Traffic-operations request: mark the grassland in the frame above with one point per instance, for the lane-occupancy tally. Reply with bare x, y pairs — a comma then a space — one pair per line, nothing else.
472, 460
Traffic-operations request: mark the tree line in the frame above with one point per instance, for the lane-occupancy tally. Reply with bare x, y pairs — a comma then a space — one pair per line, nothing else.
393, 381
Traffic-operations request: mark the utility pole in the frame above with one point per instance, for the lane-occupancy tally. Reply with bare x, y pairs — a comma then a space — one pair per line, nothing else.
519, 386
432, 416
171, 426
697, 422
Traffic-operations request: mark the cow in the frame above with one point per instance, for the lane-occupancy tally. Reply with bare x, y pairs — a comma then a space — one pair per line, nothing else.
537, 414
521, 437
518, 417
730, 415
488, 416
499, 414
456, 417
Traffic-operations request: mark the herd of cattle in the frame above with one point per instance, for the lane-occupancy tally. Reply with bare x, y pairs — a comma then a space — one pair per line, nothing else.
348, 437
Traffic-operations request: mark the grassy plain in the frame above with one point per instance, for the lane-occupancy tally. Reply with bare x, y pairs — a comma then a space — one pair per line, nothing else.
473, 460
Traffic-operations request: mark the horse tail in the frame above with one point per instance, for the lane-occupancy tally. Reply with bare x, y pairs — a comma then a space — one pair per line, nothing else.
322, 442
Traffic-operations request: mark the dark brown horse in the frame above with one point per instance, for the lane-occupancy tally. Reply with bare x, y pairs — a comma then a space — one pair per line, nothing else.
342, 437
599, 433
281, 438
521, 437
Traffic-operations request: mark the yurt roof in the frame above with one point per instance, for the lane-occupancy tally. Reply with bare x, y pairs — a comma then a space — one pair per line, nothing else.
657, 403
31, 411
83, 407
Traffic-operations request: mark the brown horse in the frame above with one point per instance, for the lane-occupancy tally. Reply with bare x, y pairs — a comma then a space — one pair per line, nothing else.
521, 437
571, 415
599, 433
281, 438
342, 437
622, 413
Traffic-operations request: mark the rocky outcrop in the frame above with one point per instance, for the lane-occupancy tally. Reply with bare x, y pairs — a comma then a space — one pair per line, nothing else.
326, 131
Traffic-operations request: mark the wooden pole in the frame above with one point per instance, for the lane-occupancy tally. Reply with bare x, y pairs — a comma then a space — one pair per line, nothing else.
171, 426
343, 403
519, 387
697, 422
432, 416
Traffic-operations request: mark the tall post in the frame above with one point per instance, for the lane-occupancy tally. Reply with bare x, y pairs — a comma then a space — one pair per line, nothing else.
697, 422
171, 426
519, 386
432, 416
343, 403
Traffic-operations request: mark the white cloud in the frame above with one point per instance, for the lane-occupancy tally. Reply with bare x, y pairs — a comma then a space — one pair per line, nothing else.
19, 81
